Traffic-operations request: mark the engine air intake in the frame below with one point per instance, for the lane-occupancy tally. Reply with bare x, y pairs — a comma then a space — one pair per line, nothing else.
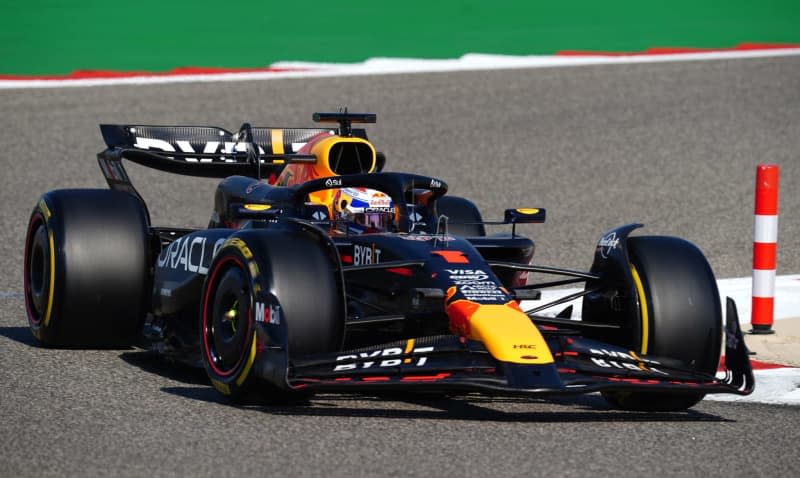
351, 158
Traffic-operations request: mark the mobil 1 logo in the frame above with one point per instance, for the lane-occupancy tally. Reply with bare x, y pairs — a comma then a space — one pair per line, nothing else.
268, 313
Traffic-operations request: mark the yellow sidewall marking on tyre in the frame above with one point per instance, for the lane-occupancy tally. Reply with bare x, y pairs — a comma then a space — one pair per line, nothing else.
45, 210
221, 387
239, 244
250, 359
637, 281
248, 255
52, 284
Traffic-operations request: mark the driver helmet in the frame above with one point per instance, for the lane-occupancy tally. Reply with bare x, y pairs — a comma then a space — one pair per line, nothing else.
360, 210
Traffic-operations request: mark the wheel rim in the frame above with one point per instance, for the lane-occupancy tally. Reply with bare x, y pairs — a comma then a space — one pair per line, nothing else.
37, 271
227, 325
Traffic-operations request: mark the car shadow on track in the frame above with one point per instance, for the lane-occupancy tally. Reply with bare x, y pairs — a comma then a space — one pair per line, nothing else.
22, 335
159, 365
588, 408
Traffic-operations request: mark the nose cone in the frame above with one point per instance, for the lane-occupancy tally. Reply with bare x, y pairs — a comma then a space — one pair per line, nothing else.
506, 332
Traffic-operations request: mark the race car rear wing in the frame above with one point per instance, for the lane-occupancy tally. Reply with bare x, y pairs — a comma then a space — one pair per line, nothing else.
213, 152
204, 151
209, 151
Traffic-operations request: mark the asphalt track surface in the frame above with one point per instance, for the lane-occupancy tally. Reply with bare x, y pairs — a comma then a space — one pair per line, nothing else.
673, 145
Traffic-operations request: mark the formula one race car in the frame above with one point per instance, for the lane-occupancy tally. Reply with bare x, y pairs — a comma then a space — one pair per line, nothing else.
320, 272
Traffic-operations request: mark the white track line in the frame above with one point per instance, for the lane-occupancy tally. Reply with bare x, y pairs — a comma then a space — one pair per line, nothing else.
779, 386
385, 66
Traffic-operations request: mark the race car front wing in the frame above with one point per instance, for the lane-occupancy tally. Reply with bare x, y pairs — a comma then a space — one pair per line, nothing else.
581, 365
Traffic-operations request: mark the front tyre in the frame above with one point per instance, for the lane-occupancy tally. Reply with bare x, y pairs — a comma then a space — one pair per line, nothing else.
279, 288
228, 325
680, 316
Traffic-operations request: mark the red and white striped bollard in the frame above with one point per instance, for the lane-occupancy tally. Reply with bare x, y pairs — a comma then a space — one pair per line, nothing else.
765, 248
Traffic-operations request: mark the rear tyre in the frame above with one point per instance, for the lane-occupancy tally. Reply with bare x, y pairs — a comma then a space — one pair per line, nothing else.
283, 279
85, 272
680, 316
464, 218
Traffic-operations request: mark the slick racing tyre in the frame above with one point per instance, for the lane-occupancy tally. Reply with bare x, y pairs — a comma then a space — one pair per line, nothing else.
284, 280
85, 272
463, 216
680, 313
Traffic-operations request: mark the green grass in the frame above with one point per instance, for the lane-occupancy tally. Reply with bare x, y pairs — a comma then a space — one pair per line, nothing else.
53, 37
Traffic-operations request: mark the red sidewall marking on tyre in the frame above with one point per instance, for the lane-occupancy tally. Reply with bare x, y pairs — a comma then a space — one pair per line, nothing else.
206, 295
